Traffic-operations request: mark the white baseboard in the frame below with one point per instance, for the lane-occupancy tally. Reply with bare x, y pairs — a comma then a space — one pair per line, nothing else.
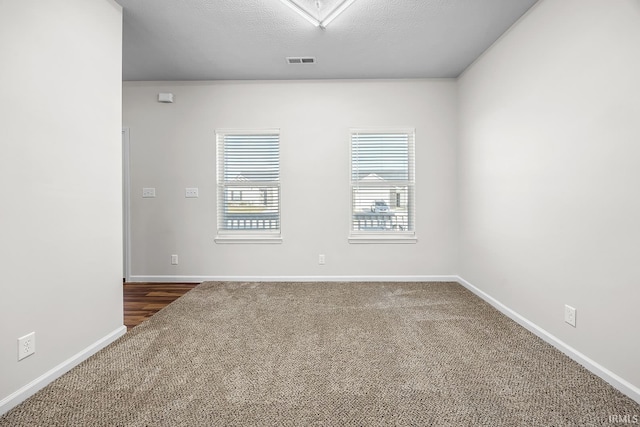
198, 279
30, 389
619, 383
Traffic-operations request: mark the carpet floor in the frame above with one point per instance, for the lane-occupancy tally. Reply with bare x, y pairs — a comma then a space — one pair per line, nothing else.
327, 354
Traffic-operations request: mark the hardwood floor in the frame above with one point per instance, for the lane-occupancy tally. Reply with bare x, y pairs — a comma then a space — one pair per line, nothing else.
143, 300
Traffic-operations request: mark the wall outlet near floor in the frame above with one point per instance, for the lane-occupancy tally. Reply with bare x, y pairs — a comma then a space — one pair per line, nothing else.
26, 345
174, 259
321, 259
570, 315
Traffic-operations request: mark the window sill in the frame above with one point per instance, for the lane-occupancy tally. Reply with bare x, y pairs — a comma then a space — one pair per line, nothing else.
376, 239
249, 239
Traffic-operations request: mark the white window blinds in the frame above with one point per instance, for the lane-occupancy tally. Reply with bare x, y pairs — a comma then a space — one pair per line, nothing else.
248, 183
382, 183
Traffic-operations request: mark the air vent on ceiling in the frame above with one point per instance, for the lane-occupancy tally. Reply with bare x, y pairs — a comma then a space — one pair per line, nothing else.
301, 60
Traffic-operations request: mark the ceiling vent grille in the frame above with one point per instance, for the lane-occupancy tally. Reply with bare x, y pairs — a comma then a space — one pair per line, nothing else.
301, 60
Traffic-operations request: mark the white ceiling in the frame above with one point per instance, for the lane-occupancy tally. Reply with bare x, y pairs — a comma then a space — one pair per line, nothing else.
250, 39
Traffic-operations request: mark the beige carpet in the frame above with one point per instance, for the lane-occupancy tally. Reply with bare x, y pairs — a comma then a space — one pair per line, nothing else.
327, 354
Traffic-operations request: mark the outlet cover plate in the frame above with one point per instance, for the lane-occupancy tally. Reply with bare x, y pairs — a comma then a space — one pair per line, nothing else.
191, 193
26, 345
148, 193
570, 315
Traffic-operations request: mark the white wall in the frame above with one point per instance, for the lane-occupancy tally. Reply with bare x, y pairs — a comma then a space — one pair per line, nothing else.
173, 147
60, 180
548, 175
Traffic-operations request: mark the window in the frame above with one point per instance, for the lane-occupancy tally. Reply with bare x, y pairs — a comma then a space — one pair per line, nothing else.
248, 186
382, 186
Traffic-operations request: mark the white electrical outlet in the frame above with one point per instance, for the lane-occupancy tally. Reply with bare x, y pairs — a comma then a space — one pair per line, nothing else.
191, 193
174, 259
26, 345
321, 259
148, 193
570, 315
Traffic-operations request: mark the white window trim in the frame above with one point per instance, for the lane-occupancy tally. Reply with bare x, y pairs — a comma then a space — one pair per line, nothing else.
242, 236
393, 239
251, 239
386, 237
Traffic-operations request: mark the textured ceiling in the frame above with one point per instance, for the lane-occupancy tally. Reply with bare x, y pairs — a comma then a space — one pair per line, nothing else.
250, 39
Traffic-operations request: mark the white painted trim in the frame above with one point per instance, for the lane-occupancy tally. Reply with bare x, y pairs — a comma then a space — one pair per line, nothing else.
198, 279
614, 380
229, 239
30, 389
369, 239
126, 203
240, 131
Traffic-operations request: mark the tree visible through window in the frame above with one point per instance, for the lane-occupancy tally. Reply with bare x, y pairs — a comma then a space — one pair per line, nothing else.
382, 183
248, 183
